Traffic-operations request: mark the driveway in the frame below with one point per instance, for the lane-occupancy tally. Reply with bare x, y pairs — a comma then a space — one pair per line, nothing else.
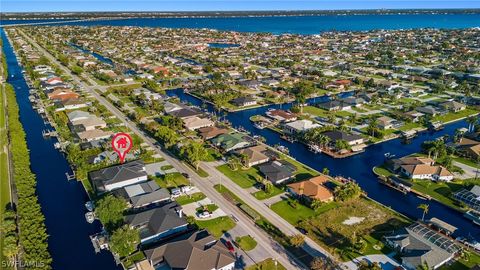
385, 262
470, 172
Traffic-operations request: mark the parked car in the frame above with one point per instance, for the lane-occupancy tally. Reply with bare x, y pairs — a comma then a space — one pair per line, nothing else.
230, 246
204, 214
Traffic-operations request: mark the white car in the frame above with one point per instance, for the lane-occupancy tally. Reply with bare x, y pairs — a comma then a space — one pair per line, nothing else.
204, 214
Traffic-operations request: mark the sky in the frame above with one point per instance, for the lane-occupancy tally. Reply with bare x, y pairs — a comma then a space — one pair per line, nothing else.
223, 5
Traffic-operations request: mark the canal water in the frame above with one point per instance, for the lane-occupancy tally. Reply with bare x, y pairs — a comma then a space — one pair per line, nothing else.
62, 201
358, 167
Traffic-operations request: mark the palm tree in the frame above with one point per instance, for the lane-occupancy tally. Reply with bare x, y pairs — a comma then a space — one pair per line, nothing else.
472, 121
425, 208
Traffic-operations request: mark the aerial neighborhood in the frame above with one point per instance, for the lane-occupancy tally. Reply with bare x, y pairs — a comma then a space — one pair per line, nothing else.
244, 145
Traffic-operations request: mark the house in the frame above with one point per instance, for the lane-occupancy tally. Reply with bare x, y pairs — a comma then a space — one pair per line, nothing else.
118, 176
353, 101
63, 94
211, 132
423, 168
109, 156
70, 104
414, 116
430, 110
385, 122
469, 148
312, 189
453, 106
277, 171
143, 194
157, 223
470, 197
243, 101
333, 105
281, 115
94, 135
351, 139
185, 112
255, 155
194, 123
84, 121
196, 250
419, 245
231, 141
299, 126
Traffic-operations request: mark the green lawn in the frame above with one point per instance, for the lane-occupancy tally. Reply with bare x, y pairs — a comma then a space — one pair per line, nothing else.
291, 214
409, 126
442, 191
172, 180
210, 208
381, 170
464, 264
467, 161
262, 195
195, 197
246, 243
315, 111
217, 226
133, 258
268, 264
243, 178
454, 116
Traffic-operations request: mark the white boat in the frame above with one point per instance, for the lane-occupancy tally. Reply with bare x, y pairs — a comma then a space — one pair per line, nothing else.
315, 148
90, 217
89, 205
259, 125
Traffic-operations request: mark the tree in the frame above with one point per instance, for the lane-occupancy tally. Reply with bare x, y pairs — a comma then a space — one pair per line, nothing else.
320, 263
341, 144
472, 122
326, 171
233, 163
348, 191
297, 240
194, 152
77, 70
124, 241
10, 246
425, 208
110, 212
315, 204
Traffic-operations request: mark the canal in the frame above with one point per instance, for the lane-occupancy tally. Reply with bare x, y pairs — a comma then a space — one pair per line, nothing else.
359, 167
62, 201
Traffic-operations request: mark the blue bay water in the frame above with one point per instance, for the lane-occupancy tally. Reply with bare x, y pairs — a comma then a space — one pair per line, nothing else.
62, 201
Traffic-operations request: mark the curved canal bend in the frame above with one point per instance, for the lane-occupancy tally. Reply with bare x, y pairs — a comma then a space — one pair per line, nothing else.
359, 167
62, 201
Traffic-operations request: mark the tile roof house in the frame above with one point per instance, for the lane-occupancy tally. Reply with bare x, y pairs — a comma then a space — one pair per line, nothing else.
63, 94
118, 176
255, 154
158, 223
231, 141
419, 245
423, 168
469, 148
281, 115
428, 110
211, 132
277, 171
414, 116
312, 189
143, 194
299, 126
194, 251
193, 123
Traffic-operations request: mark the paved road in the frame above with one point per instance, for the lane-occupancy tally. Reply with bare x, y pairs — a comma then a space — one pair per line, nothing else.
276, 251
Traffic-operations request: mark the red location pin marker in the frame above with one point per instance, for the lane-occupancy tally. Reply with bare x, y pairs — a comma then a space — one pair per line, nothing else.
122, 143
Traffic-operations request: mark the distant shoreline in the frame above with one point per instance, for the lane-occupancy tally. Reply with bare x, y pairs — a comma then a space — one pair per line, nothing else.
225, 14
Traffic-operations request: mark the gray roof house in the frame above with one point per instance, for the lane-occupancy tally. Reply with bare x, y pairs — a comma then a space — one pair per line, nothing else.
277, 171
158, 223
193, 251
118, 176
419, 245
143, 194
